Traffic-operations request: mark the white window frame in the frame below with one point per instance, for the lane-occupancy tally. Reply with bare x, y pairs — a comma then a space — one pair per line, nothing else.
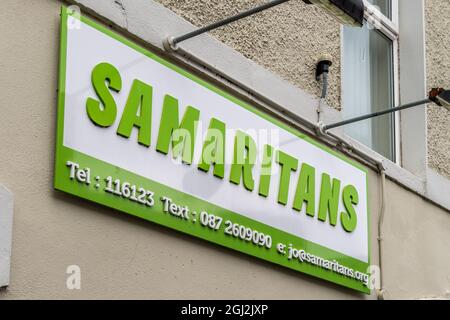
390, 29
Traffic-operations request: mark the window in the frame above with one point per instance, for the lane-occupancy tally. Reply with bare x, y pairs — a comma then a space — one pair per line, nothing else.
384, 6
369, 76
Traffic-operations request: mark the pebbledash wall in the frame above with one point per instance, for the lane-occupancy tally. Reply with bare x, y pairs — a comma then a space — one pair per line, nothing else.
438, 72
124, 257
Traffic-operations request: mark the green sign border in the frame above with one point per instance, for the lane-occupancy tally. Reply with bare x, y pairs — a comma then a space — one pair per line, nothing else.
155, 213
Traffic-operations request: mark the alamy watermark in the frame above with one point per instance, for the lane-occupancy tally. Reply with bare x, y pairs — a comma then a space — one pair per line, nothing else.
73, 281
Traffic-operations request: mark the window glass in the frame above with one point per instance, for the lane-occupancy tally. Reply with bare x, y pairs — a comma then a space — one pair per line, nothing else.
384, 6
368, 87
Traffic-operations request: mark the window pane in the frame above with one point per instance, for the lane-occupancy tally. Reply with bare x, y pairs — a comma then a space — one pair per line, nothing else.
384, 5
368, 87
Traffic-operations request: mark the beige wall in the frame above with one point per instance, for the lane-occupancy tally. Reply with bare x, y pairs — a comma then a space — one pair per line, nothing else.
437, 15
416, 258
124, 257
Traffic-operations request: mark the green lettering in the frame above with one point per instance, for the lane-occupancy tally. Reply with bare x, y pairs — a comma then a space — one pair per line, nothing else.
306, 190
102, 73
182, 134
348, 217
243, 160
140, 97
213, 151
329, 199
266, 171
288, 164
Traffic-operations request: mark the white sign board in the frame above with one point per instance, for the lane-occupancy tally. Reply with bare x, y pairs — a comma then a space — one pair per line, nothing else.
116, 107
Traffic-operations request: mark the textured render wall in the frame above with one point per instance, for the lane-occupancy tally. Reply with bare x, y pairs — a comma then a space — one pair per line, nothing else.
125, 257
437, 16
286, 39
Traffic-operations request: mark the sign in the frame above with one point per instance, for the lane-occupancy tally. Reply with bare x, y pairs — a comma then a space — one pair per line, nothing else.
143, 136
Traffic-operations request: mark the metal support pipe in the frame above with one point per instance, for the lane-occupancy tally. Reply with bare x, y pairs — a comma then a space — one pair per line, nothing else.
269, 105
175, 40
380, 289
375, 114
